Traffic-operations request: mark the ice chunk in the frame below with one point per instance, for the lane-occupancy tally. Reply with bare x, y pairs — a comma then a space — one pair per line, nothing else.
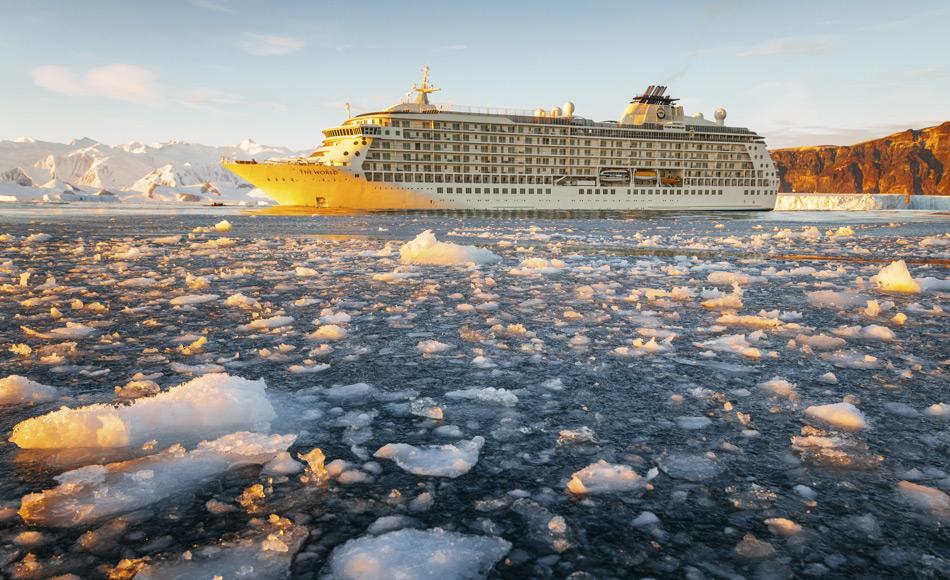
426, 249
205, 406
833, 299
779, 387
417, 555
137, 388
938, 411
926, 499
222, 226
491, 395
693, 423
283, 464
896, 278
533, 266
783, 526
844, 416
94, 492
17, 390
603, 477
328, 332
191, 299
451, 460
689, 467
433, 347
266, 550
269, 323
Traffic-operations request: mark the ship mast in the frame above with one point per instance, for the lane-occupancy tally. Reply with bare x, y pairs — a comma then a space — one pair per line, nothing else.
425, 88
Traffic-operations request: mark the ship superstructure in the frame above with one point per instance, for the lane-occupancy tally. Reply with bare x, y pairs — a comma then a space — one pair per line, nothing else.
420, 155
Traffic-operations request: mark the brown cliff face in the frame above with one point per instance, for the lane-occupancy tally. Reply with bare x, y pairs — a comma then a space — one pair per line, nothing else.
913, 161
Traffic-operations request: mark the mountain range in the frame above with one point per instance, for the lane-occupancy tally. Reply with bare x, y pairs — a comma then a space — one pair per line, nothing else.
913, 162
171, 171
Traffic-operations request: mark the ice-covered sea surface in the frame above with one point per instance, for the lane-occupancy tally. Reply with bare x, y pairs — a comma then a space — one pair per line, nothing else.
607, 396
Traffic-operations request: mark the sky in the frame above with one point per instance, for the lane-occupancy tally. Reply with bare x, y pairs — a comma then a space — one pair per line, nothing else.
220, 71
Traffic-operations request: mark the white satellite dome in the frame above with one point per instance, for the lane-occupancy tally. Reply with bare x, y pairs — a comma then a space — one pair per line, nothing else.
539, 112
699, 116
569, 109
556, 111
720, 115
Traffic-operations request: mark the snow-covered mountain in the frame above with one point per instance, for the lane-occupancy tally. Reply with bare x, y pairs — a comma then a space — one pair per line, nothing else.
172, 171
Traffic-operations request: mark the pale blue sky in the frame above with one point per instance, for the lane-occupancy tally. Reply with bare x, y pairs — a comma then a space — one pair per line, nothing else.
218, 71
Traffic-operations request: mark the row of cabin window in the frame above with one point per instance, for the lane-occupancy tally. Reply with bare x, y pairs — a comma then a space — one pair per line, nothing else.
504, 190
651, 192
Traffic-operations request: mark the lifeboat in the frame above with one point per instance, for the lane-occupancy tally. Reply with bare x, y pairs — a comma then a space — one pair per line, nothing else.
671, 181
615, 175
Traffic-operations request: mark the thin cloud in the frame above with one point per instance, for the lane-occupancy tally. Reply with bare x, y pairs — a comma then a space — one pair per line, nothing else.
216, 5
120, 81
788, 46
269, 44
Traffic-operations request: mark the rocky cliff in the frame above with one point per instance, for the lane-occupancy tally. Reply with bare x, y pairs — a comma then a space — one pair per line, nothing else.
913, 161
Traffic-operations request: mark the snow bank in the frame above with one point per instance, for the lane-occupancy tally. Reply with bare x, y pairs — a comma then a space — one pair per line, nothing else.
844, 416
451, 460
417, 555
896, 278
205, 406
17, 390
94, 492
603, 477
426, 249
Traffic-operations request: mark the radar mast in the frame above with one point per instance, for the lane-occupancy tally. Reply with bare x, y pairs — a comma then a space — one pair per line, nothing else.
425, 88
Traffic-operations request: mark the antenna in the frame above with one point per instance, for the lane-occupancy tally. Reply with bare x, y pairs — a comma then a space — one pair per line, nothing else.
347, 107
425, 88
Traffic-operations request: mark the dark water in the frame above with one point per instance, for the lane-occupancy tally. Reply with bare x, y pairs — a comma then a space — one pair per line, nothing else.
718, 480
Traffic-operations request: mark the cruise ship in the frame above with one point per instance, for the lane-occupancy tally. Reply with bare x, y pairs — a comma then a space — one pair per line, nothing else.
417, 155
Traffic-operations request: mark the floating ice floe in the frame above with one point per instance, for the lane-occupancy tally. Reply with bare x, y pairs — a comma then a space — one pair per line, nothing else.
491, 395
603, 477
427, 250
192, 299
94, 492
203, 407
734, 343
834, 299
843, 416
269, 323
532, 266
929, 500
18, 390
895, 277
779, 387
417, 555
450, 460
689, 467
328, 332
433, 347
263, 551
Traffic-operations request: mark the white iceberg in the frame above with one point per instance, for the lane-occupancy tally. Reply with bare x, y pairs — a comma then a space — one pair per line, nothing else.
427, 250
206, 406
603, 477
844, 416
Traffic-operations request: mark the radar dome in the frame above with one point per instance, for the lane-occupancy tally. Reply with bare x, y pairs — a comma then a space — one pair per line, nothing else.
720, 115
699, 116
539, 112
568, 109
556, 112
